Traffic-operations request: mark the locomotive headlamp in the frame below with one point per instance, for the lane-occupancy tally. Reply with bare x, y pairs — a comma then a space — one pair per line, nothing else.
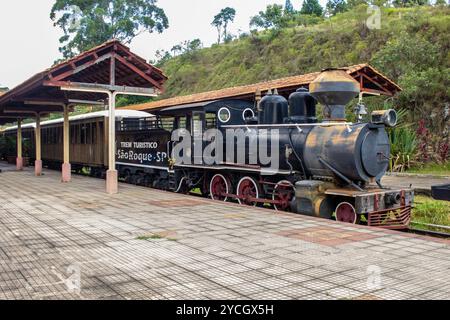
387, 117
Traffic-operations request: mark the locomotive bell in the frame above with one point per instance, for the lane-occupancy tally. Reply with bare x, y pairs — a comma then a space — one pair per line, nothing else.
334, 88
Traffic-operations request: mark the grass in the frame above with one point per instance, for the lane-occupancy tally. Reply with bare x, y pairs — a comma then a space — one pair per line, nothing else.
432, 168
150, 237
156, 236
430, 211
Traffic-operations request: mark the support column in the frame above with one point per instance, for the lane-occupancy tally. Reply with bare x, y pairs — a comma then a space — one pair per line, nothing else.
112, 185
66, 168
38, 162
19, 159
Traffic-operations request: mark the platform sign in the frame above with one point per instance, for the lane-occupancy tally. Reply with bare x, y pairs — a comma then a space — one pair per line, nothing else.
143, 150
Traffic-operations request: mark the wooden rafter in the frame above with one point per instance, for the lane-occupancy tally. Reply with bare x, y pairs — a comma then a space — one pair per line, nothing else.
138, 71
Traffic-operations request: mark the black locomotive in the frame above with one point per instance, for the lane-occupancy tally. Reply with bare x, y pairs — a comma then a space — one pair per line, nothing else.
328, 169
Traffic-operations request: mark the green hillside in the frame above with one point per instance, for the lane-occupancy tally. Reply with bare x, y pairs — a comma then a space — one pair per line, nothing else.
411, 48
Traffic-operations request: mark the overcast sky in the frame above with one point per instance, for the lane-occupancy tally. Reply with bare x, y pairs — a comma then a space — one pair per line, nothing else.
29, 41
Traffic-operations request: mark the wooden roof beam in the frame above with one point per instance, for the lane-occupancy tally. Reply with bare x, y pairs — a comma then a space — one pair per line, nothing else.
82, 67
95, 88
138, 71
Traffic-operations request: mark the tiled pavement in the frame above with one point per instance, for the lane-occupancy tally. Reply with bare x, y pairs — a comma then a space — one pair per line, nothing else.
420, 183
145, 244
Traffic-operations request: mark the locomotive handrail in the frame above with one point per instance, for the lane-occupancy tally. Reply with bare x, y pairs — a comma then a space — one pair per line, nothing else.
289, 125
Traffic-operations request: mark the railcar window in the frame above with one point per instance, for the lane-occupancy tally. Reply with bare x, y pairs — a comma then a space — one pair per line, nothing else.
83, 134
54, 137
197, 124
224, 115
210, 120
101, 131
167, 123
89, 133
94, 133
248, 113
77, 134
182, 123
72, 134
50, 135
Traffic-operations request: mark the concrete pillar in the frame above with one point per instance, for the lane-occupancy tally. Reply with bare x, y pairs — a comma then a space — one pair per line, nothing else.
19, 159
112, 184
66, 168
38, 162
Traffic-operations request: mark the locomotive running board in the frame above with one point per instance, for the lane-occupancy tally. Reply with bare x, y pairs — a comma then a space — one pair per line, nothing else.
237, 167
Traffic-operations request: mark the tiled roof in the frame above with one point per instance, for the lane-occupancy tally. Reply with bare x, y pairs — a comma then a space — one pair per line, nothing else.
292, 82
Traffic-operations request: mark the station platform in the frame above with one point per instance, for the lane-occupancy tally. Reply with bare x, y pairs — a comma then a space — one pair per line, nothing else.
73, 241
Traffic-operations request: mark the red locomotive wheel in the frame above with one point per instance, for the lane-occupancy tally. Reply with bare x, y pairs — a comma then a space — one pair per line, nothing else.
218, 187
284, 193
345, 212
247, 190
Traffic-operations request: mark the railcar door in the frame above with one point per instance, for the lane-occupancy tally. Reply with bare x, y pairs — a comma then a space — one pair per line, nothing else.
198, 119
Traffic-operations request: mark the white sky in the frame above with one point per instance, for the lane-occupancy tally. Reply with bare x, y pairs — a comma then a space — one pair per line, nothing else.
29, 41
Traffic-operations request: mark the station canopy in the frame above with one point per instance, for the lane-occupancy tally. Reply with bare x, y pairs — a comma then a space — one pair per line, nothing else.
110, 66
371, 82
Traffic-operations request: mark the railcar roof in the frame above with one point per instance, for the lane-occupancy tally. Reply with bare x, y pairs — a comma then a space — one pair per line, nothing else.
92, 115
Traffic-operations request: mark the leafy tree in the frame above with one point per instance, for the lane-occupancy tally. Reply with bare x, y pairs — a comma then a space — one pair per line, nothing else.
288, 7
405, 53
221, 21
354, 3
409, 3
312, 7
90, 23
162, 56
176, 49
272, 17
440, 3
336, 6
193, 45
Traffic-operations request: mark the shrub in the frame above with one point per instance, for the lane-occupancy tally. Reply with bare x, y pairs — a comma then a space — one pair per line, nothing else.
403, 148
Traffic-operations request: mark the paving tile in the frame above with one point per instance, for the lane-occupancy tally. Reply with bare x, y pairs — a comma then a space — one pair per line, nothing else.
149, 244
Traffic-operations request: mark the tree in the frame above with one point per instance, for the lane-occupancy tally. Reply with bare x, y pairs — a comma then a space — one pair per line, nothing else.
87, 24
221, 21
336, 6
354, 3
409, 3
288, 7
272, 17
162, 56
193, 45
176, 49
312, 7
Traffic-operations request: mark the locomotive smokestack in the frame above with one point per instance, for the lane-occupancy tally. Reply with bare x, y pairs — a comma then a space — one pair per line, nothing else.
334, 88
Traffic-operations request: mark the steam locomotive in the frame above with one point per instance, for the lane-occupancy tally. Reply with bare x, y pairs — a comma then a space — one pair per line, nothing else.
329, 169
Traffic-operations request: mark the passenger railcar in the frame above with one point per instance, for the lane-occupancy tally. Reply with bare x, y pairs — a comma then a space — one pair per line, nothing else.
8, 147
88, 140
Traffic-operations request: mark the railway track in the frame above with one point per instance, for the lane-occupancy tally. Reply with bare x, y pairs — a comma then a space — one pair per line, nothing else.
436, 234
